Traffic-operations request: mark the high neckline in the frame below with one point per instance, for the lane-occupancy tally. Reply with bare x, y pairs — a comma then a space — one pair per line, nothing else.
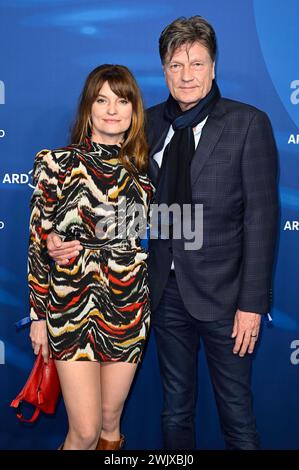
109, 147
99, 147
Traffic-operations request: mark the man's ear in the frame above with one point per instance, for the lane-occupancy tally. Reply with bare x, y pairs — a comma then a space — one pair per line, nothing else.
214, 70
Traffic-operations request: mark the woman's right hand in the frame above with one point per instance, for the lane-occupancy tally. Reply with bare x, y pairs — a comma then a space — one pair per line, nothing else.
39, 338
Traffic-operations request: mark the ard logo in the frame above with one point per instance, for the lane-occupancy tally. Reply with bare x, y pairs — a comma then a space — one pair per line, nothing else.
291, 225
19, 178
2, 92
2, 353
293, 139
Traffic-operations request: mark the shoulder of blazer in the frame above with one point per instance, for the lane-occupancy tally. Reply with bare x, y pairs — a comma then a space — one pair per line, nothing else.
156, 110
155, 122
224, 108
155, 116
228, 106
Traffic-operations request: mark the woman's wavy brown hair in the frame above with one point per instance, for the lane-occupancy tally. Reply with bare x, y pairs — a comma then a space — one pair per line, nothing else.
134, 150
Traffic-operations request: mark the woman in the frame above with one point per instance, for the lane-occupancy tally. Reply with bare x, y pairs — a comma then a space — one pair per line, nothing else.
93, 313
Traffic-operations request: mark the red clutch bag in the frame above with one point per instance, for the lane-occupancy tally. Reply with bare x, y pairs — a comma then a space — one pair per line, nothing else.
41, 390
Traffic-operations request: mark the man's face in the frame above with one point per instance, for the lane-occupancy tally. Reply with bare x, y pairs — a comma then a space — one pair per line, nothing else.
189, 74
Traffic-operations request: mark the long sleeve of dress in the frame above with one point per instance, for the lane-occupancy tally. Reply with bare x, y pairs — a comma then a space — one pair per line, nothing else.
43, 210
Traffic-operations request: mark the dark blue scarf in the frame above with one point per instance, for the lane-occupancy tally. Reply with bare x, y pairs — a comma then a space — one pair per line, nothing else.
174, 185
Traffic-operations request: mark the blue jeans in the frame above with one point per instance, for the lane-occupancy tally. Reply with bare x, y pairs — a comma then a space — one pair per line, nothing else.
178, 337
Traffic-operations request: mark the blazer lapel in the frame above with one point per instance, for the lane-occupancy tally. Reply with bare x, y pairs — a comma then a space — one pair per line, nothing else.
158, 144
153, 170
153, 167
210, 135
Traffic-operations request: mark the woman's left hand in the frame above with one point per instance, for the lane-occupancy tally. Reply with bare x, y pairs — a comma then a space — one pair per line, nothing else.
39, 338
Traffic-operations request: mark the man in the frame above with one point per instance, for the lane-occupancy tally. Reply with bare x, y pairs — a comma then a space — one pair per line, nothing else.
219, 153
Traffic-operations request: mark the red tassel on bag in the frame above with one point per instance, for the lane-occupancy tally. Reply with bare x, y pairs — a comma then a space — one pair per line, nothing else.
41, 390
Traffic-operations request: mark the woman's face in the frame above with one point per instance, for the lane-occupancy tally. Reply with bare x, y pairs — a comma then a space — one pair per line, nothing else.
110, 116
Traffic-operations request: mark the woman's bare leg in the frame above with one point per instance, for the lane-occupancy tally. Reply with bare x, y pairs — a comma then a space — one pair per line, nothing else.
81, 390
116, 379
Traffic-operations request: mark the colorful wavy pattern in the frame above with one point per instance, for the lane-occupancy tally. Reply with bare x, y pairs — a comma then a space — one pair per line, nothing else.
96, 307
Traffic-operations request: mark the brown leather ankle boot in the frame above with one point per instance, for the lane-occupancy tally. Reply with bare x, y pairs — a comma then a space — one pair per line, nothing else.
103, 444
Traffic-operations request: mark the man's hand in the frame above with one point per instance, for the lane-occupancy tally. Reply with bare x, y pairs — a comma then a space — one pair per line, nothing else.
246, 329
39, 338
61, 251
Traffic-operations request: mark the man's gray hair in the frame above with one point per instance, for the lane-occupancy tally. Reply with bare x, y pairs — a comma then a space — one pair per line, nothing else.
187, 31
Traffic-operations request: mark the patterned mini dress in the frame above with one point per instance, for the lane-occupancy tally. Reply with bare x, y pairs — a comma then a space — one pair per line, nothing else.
97, 306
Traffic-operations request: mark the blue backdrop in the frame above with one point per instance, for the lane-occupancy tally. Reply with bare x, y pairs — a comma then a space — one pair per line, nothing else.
47, 49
